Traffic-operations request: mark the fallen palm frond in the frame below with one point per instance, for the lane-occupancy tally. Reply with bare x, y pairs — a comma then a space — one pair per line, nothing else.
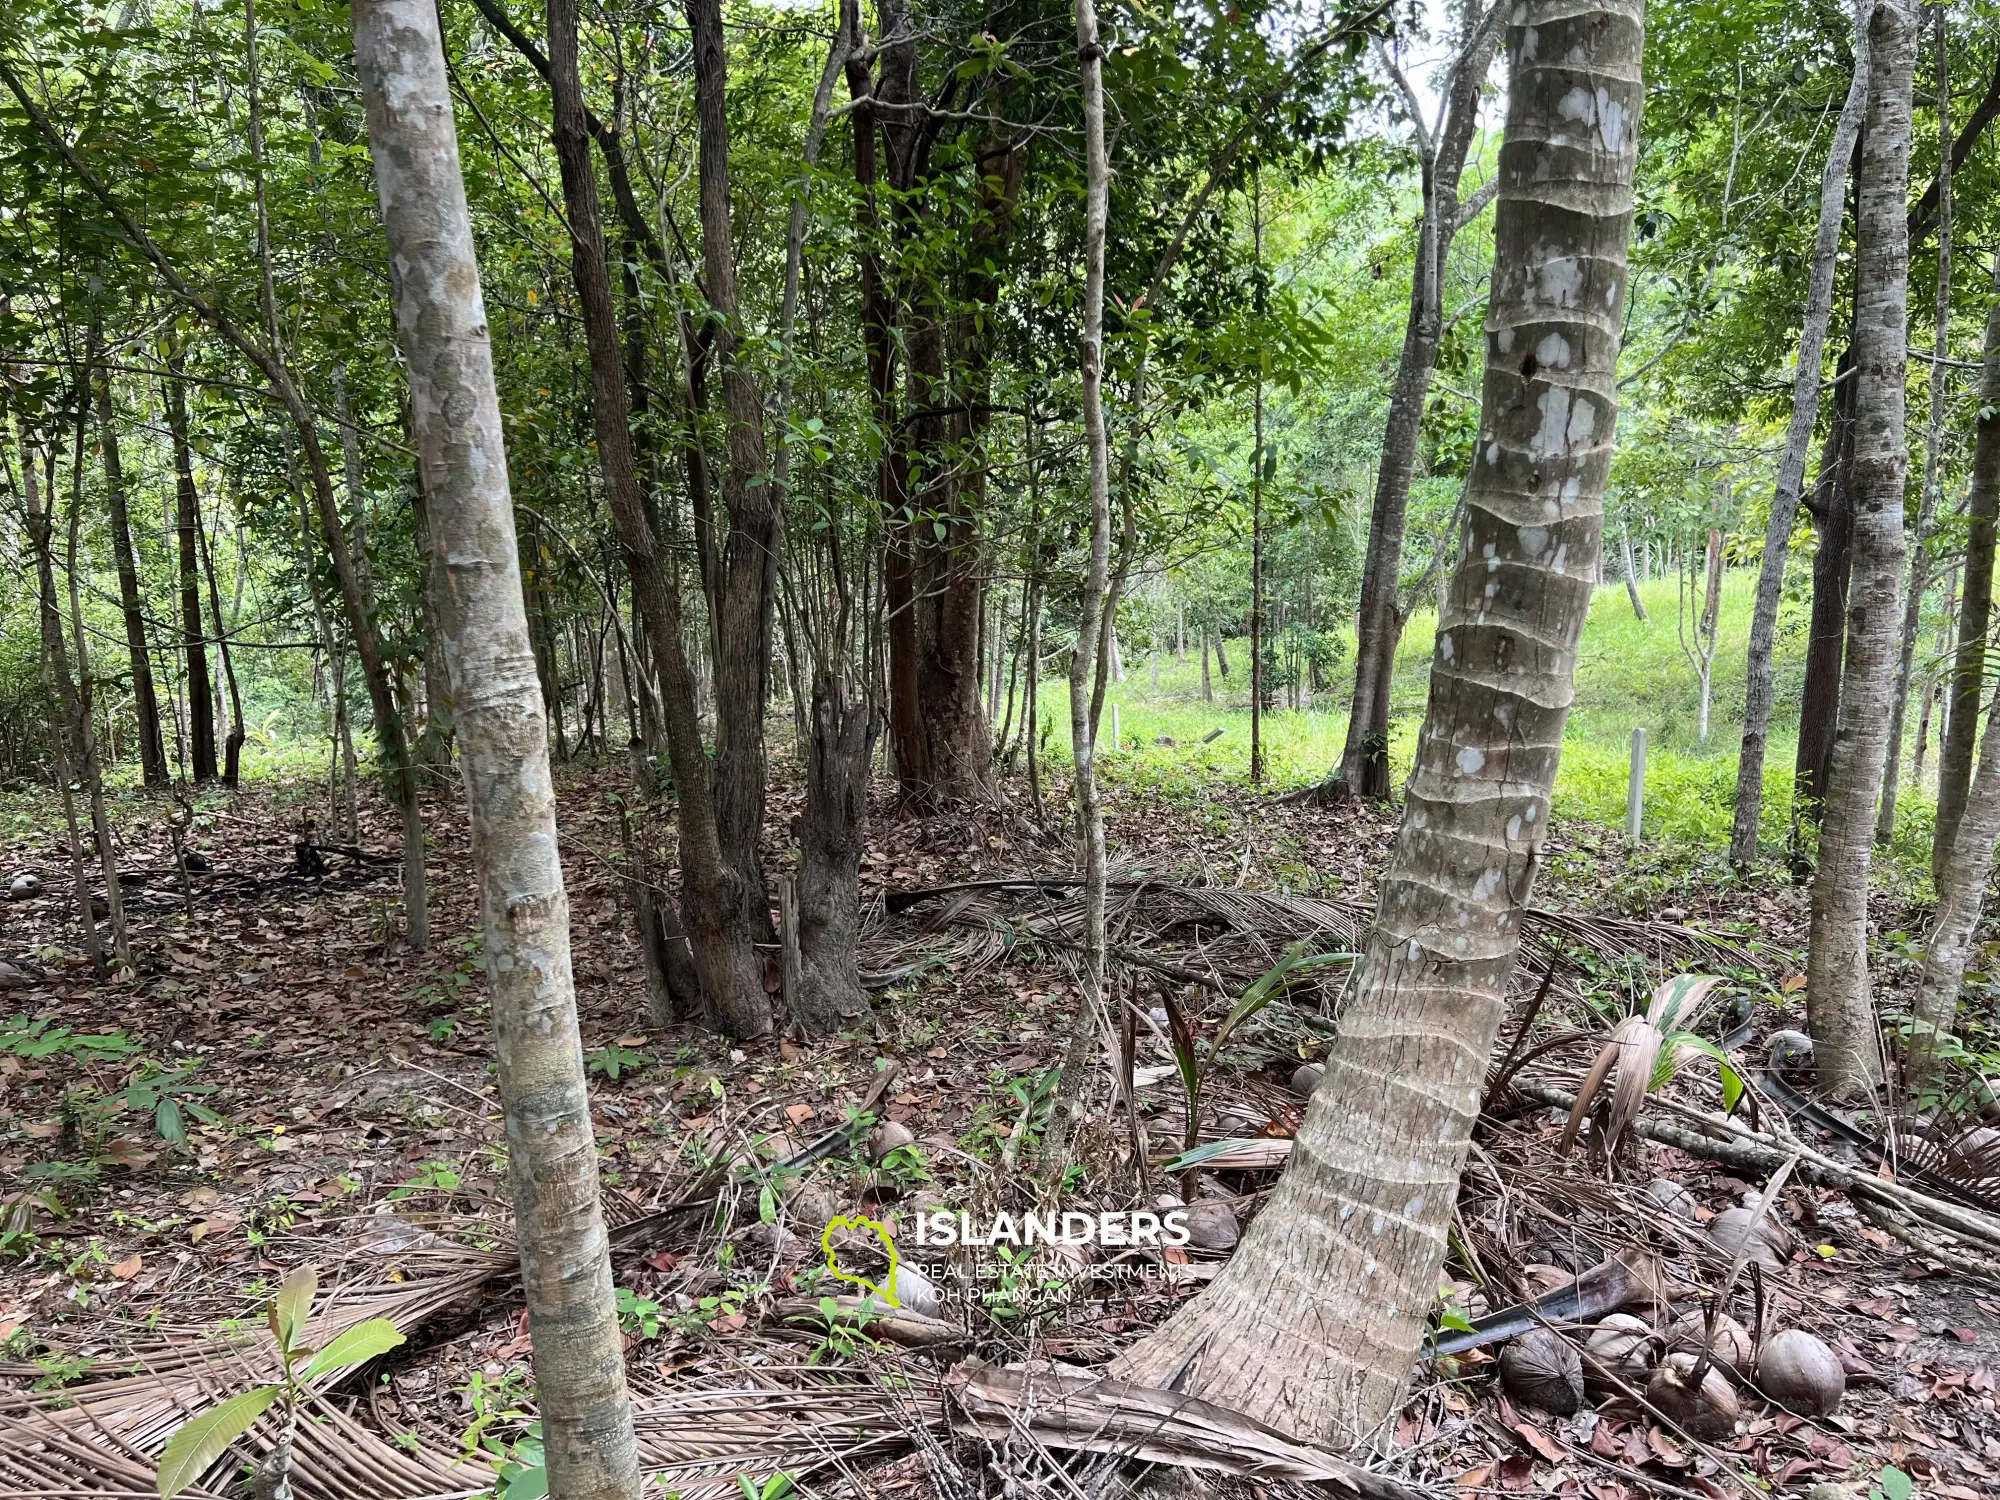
1727, 1141
1647, 1050
1096, 1414
1224, 937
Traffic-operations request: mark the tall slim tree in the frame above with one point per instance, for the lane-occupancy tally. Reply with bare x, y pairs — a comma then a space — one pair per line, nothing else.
1840, 1009
580, 1390
1937, 400
145, 698
187, 534
1315, 1321
1442, 147
1760, 678
725, 915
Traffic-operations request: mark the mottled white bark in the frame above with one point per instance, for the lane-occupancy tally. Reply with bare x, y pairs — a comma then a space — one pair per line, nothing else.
552, 1156
1314, 1323
1937, 400
1760, 681
1840, 1009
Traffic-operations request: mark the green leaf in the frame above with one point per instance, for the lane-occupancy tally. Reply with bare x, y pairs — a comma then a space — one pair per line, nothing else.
1896, 1485
167, 1119
358, 1345
292, 1306
201, 1442
1272, 983
1200, 1154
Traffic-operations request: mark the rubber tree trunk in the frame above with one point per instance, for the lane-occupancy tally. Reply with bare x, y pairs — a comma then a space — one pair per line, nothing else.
724, 917
1315, 1322
1840, 1008
578, 1354
1964, 693
1759, 678
1364, 758
1937, 401
145, 698
187, 524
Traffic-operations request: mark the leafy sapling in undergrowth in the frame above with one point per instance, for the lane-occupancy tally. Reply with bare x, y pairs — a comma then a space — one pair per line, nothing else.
204, 1439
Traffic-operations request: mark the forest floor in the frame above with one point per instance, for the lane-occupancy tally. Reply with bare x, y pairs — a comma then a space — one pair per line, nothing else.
334, 1098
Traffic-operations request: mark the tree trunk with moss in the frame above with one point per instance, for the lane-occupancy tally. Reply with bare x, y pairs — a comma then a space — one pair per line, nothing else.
1314, 1323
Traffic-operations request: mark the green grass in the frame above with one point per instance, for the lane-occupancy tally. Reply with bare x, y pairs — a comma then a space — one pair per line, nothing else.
1629, 675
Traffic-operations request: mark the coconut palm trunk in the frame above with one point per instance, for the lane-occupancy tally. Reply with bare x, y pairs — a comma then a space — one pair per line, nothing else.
1840, 1009
585, 1410
1314, 1323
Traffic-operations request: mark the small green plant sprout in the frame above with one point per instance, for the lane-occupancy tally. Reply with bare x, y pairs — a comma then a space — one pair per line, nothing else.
1892, 1484
22, 1036
1188, 1060
777, 1487
615, 1061
1647, 1052
203, 1440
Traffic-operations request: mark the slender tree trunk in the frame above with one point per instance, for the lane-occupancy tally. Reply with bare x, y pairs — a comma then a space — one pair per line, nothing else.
724, 917
585, 1411
1840, 1007
145, 700
1314, 1323
1631, 581
1930, 681
1927, 504
756, 517
62, 696
82, 700
232, 745
1090, 662
1364, 759
1760, 678
1826, 640
1965, 690
187, 524
1256, 525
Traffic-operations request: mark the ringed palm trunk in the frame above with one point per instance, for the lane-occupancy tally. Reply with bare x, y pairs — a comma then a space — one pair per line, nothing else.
502, 732
1839, 1005
1760, 679
1313, 1324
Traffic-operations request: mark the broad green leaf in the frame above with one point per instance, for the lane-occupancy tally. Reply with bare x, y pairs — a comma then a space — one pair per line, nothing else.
358, 1345
292, 1306
201, 1442
1896, 1485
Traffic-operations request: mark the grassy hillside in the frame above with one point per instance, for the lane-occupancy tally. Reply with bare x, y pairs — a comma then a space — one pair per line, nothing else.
1629, 675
